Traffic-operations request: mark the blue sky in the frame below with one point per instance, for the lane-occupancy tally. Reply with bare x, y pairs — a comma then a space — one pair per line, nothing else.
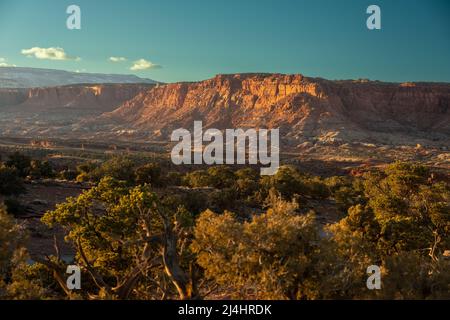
197, 39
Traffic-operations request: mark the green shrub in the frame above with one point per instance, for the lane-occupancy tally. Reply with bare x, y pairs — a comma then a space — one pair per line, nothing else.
68, 174
10, 181
197, 179
149, 174
21, 162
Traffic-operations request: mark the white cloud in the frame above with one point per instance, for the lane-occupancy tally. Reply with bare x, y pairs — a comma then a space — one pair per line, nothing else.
143, 64
3, 63
117, 59
52, 53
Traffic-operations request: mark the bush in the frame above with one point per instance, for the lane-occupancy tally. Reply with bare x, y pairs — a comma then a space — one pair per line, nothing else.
316, 188
224, 199
287, 181
197, 179
221, 177
247, 182
291, 184
218, 177
83, 177
195, 201
21, 163
174, 179
273, 254
119, 168
11, 238
87, 167
68, 175
10, 181
14, 207
39, 169
149, 174
347, 192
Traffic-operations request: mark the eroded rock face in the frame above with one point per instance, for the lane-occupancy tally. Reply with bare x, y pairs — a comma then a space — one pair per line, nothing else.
302, 107
305, 109
104, 97
10, 97
52, 111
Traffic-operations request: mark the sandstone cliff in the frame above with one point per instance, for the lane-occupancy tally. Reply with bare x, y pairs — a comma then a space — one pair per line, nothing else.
53, 111
102, 97
12, 97
304, 108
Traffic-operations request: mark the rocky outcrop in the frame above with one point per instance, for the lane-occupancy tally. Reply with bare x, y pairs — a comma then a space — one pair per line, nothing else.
307, 110
103, 97
304, 108
53, 111
9, 97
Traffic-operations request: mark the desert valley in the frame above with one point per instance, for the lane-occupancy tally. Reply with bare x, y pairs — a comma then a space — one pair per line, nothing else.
353, 121
68, 142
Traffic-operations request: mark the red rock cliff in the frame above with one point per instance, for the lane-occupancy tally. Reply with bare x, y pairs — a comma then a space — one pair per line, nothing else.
300, 106
103, 97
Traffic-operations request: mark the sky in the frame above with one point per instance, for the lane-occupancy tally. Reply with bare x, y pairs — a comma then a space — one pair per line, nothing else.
191, 40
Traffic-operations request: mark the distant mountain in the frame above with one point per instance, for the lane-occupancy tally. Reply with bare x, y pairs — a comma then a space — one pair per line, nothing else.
14, 77
95, 97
